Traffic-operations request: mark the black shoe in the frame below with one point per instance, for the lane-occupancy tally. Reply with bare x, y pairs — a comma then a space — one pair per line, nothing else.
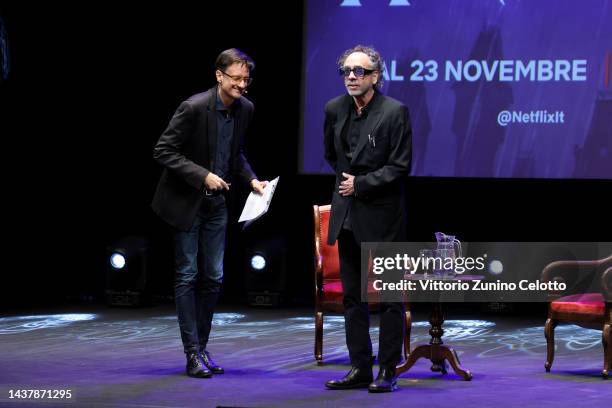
386, 381
210, 364
195, 366
356, 378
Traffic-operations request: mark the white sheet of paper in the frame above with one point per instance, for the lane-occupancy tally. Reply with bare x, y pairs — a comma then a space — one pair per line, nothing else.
257, 205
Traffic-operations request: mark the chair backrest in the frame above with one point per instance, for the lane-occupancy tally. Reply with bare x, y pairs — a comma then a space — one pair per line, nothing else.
326, 256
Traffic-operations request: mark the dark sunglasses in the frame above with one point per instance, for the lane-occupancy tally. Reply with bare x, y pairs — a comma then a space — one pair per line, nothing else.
359, 72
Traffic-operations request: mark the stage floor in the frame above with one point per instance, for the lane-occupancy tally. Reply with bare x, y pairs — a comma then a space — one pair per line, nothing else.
133, 358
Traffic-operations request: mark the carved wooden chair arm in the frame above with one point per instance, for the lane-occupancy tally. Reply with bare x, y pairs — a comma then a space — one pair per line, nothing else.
569, 271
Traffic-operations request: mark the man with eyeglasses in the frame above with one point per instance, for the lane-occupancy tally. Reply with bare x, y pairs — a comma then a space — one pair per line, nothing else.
368, 143
201, 152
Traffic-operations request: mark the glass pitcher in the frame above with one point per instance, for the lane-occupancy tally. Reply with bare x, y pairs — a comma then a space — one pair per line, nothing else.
449, 242
446, 249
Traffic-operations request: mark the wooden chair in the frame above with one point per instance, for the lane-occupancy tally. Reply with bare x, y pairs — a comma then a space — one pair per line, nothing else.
590, 310
328, 286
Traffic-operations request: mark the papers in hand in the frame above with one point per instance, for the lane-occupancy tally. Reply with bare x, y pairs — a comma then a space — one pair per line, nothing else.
257, 204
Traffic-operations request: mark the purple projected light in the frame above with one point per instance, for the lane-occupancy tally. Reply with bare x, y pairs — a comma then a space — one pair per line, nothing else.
495, 88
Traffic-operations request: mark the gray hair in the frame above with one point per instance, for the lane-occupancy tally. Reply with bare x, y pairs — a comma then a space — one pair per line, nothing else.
376, 59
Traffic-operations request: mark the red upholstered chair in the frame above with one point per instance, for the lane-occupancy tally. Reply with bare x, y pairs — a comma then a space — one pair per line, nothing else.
591, 310
328, 286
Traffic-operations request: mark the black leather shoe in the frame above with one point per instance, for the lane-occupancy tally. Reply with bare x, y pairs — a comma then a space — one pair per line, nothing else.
356, 378
210, 364
386, 381
195, 366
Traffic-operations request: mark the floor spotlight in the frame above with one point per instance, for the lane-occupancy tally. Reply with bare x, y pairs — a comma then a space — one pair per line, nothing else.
117, 260
126, 272
266, 270
258, 262
496, 267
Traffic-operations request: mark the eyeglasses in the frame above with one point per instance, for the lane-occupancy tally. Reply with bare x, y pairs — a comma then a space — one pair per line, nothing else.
359, 72
238, 79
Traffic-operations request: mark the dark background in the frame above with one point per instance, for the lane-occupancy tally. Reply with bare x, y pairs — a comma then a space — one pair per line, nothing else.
92, 88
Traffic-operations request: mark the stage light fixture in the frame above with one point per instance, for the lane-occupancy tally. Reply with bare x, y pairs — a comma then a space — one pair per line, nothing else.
265, 271
258, 262
496, 267
126, 272
117, 260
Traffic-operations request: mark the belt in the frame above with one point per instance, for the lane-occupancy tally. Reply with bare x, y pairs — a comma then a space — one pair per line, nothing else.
212, 193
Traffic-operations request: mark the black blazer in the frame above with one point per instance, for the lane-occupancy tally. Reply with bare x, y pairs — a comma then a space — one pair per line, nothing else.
187, 150
380, 163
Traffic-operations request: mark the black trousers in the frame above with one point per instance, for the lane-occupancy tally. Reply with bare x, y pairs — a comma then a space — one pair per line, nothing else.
357, 317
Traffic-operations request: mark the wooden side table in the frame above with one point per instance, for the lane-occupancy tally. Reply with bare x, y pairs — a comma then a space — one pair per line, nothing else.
436, 351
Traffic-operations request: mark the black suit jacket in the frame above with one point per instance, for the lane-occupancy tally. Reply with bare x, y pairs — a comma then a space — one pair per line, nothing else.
380, 163
187, 150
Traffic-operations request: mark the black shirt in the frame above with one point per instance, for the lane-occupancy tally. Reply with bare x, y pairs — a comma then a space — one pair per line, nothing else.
225, 133
350, 137
354, 126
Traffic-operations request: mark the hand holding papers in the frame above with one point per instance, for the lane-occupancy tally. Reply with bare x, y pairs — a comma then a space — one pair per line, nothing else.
257, 204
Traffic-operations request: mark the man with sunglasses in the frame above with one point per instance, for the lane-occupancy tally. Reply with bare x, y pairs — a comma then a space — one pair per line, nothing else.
201, 152
368, 143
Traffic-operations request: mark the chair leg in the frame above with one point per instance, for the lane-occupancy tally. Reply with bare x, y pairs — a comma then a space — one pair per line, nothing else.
606, 338
318, 349
549, 333
408, 323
